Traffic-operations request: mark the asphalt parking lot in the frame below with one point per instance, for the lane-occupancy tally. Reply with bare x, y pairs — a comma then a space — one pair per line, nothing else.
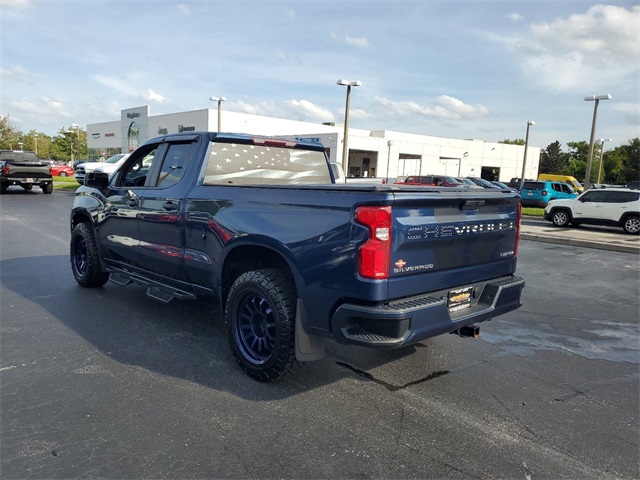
109, 383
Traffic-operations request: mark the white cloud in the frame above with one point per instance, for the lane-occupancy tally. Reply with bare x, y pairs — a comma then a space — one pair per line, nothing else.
291, 14
514, 17
17, 4
288, 57
307, 111
184, 8
115, 83
359, 42
594, 49
152, 96
459, 108
17, 73
445, 108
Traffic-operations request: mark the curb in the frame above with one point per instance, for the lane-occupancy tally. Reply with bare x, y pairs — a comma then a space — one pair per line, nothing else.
580, 243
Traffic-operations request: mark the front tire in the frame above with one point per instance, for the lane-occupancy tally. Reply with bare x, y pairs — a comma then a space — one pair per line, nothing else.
47, 188
560, 218
62, 174
27, 187
260, 321
85, 263
631, 225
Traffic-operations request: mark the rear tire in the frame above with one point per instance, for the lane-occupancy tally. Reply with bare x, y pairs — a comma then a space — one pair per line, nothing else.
631, 225
85, 262
47, 188
62, 174
560, 218
260, 321
3, 188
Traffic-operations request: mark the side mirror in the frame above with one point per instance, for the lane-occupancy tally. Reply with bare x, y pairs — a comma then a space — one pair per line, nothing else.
97, 180
338, 173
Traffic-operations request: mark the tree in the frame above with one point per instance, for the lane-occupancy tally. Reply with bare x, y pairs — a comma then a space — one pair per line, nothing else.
9, 134
553, 159
631, 161
577, 160
518, 141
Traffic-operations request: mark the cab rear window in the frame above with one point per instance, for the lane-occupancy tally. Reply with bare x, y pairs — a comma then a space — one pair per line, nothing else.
533, 185
246, 164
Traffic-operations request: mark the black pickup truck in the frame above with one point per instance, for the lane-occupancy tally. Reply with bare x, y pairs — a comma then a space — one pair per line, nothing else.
294, 257
25, 169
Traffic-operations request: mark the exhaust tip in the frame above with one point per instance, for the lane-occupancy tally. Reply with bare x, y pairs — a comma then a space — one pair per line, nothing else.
468, 331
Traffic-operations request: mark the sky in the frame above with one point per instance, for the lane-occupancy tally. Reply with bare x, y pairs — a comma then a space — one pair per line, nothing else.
448, 68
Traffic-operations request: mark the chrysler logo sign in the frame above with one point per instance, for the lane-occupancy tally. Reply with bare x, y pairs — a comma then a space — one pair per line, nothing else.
95, 135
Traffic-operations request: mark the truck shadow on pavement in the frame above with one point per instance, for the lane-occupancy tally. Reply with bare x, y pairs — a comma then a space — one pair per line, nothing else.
182, 339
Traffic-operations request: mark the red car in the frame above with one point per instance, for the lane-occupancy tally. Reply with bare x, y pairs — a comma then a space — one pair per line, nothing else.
431, 180
61, 170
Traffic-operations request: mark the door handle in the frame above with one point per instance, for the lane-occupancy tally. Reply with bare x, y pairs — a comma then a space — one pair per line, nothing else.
170, 206
133, 202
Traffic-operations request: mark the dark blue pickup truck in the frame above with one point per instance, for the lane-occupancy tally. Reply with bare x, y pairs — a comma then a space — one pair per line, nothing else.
294, 257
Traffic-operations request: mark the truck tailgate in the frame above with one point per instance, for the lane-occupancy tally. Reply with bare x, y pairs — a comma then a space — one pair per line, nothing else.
452, 239
28, 169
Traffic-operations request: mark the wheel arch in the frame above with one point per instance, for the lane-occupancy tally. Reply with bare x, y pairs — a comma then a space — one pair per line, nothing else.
247, 257
626, 215
567, 210
80, 216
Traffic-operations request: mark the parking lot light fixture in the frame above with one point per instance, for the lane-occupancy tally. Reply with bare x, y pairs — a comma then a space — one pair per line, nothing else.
601, 141
219, 100
596, 99
526, 147
345, 148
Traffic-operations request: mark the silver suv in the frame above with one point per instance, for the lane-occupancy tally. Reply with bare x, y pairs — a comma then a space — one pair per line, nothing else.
610, 206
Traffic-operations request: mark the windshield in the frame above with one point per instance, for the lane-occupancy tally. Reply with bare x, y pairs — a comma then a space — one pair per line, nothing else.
115, 158
576, 183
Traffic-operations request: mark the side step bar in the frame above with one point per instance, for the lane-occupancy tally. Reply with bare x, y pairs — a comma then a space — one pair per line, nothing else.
156, 290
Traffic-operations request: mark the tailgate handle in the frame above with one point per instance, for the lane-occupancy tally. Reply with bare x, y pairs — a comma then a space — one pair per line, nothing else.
472, 205
133, 202
169, 206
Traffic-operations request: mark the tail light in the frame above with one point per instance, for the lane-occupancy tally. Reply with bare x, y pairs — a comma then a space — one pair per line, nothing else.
375, 254
515, 250
274, 142
544, 193
6, 169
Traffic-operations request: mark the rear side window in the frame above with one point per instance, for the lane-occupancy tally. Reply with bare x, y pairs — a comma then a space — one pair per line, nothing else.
534, 185
174, 163
621, 197
245, 164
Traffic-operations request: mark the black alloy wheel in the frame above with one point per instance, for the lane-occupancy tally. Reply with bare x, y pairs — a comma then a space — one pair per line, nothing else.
260, 320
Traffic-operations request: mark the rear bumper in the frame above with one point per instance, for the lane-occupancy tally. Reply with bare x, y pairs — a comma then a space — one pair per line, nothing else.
411, 320
26, 180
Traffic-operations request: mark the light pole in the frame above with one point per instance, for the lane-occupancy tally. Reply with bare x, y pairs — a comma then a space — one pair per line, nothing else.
219, 100
345, 148
464, 155
35, 135
526, 147
602, 140
596, 99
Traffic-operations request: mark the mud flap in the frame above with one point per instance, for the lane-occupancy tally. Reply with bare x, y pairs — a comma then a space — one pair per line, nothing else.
308, 347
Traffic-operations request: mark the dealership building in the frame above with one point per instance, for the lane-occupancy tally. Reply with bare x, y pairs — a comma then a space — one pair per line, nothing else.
382, 154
